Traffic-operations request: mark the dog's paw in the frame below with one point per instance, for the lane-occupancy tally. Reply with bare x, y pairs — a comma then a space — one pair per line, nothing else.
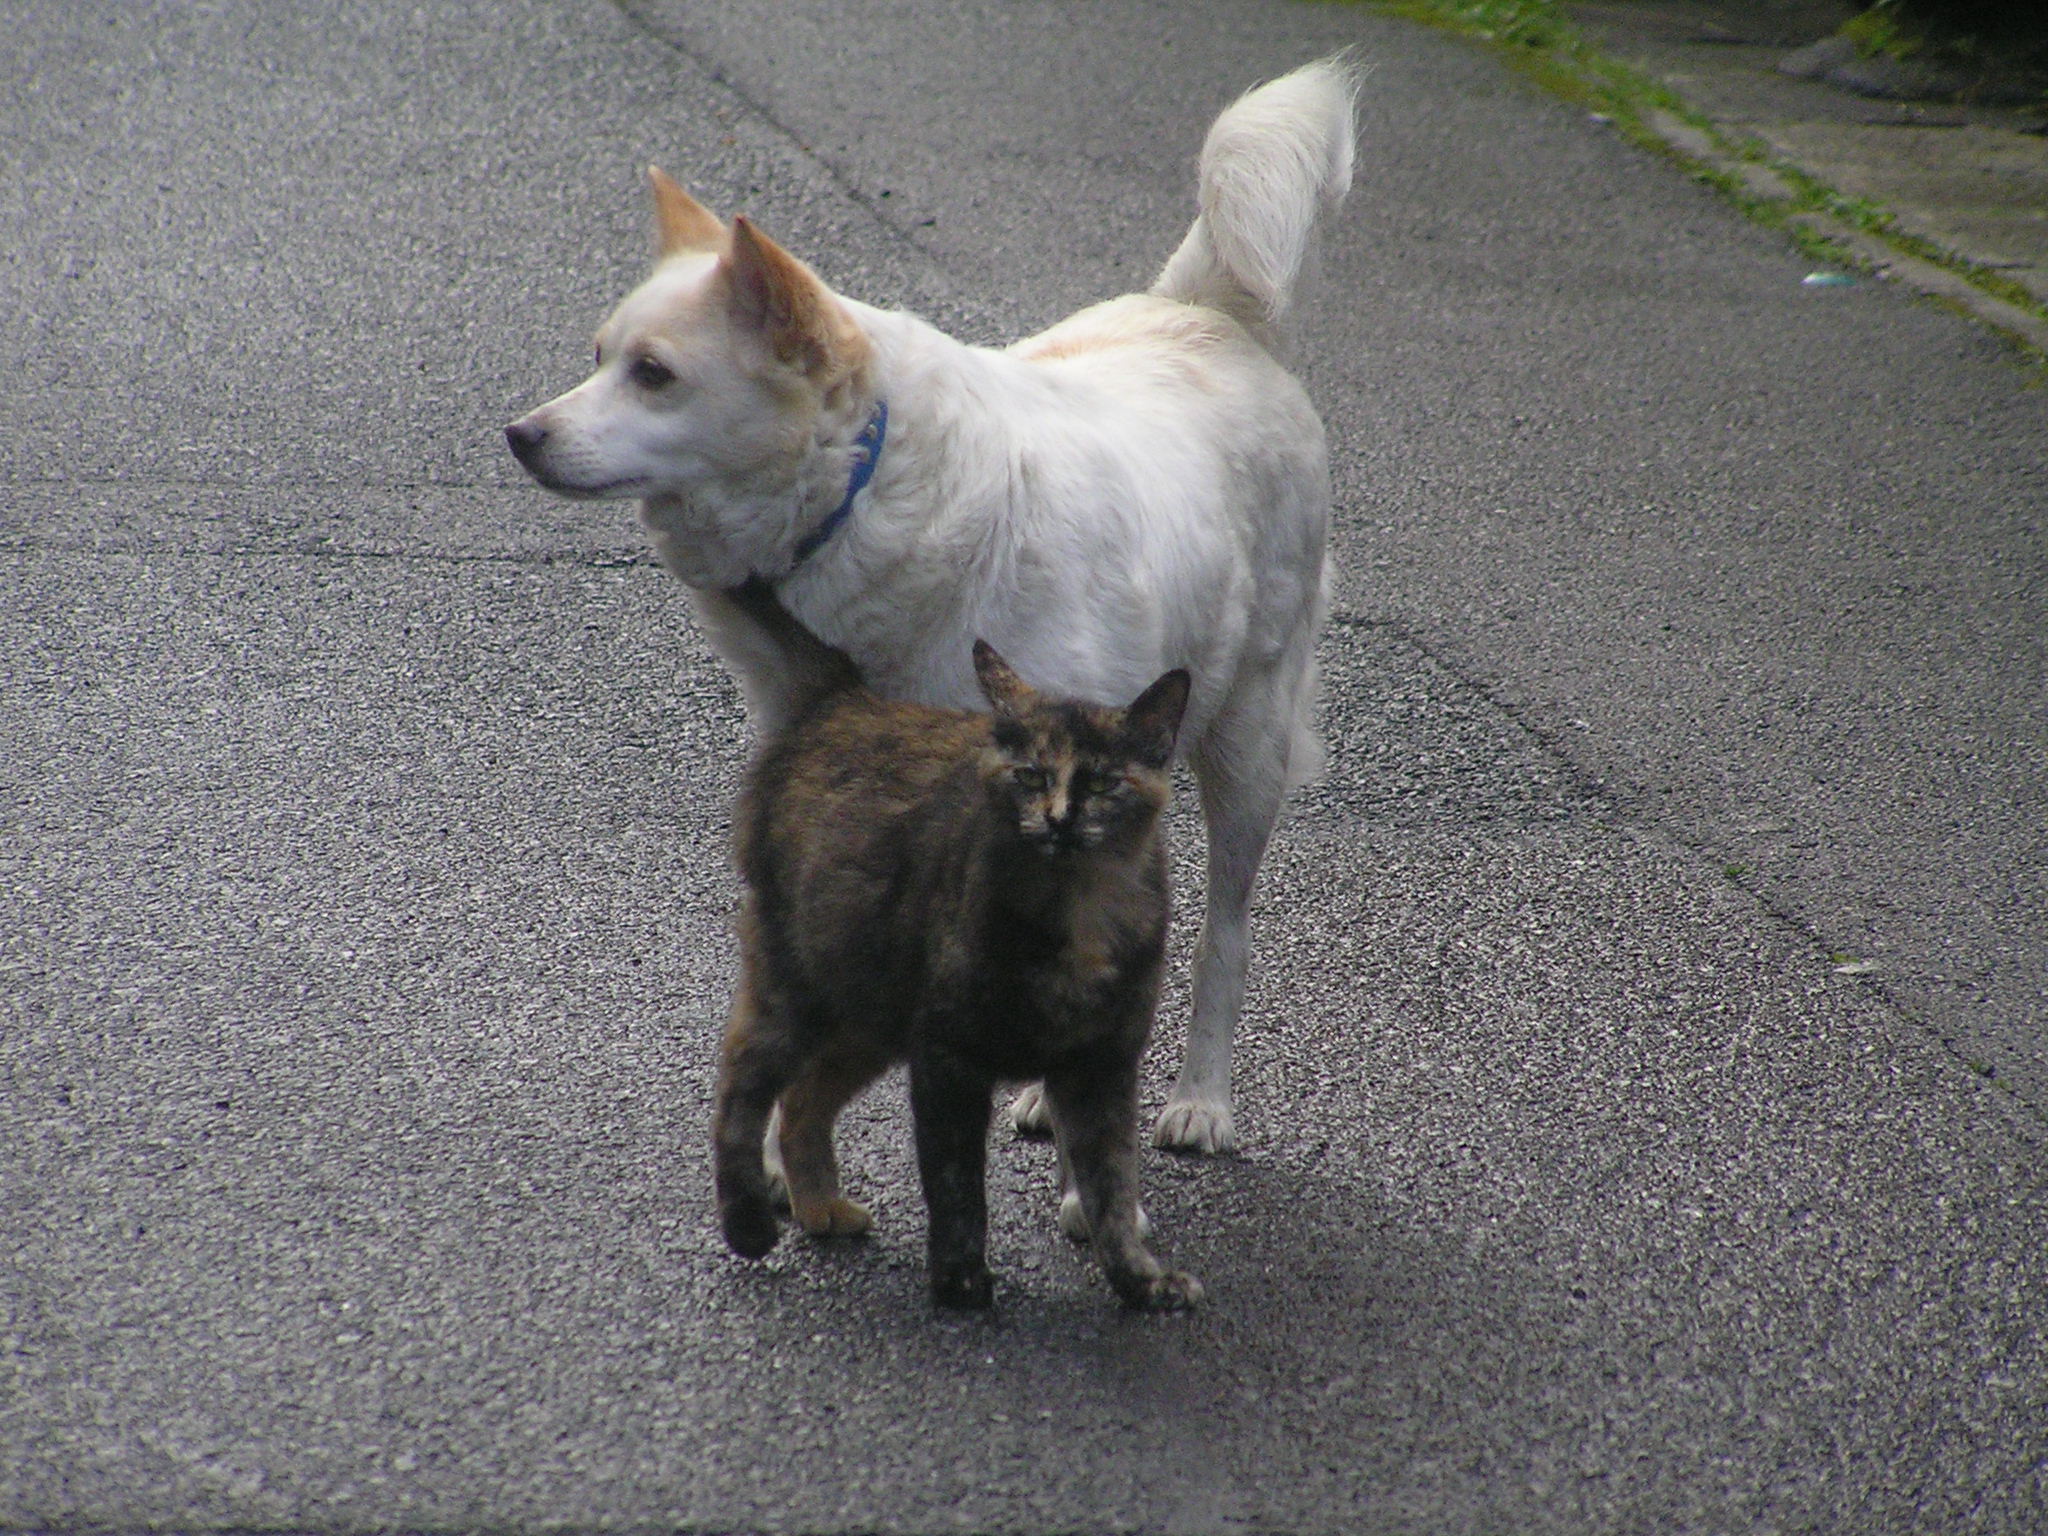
834, 1216
1028, 1113
1074, 1223
1195, 1125
750, 1227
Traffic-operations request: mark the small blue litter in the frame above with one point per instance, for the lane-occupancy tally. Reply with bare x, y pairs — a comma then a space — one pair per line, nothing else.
1827, 280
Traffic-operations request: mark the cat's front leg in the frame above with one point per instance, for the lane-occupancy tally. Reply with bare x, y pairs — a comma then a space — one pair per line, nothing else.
1073, 1219
1094, 1112
949, 1104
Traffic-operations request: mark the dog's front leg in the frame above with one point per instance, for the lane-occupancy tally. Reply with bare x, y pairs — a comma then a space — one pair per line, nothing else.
1028, 1113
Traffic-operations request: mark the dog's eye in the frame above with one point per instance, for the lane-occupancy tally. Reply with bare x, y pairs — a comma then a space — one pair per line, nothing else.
651, 373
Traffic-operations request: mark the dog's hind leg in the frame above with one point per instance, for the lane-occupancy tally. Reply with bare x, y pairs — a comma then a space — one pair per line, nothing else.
1241, 766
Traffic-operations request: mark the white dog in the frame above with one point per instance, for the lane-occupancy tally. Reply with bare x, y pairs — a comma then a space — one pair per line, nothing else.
1141, 487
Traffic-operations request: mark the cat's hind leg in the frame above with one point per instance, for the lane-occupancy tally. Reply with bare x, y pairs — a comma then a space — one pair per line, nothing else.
758, 1060
809, 1109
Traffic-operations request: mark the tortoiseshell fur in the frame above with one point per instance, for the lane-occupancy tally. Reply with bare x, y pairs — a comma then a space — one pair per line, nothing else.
982, 896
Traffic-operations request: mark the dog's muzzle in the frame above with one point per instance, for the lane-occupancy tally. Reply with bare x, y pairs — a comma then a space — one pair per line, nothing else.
527, 440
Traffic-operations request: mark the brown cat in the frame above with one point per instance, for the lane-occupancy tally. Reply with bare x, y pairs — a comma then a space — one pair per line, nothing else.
982, 896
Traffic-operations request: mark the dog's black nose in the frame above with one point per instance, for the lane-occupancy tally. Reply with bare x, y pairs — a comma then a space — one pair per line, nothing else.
525, 439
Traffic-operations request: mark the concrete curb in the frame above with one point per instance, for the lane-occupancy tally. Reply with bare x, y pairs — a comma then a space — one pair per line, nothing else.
1707, 151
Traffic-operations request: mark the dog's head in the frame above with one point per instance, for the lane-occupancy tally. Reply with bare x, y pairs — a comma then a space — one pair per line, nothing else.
712, 376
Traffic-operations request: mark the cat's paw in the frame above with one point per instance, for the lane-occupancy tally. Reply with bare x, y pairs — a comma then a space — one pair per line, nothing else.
1074, 1223
1195, 1125
965, 1287
750, 1227
1170, 1292
834, 1216
1029, 1115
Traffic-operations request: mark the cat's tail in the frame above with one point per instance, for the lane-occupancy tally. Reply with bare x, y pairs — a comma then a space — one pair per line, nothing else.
784, 669
1275, 162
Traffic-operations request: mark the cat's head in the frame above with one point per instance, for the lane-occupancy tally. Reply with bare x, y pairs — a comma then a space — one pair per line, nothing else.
1078, 776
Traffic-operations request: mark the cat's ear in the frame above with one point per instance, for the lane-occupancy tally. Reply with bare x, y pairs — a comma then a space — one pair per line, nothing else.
1153, 720
1006, 692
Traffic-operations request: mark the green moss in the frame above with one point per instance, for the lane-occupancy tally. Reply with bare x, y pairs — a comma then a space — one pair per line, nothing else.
1880, 33
1521, 23
2001, 35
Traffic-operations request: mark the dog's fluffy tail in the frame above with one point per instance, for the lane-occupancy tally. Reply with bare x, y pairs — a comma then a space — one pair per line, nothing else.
1275, 162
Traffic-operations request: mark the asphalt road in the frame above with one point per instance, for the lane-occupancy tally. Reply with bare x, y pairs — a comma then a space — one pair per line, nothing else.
363, 893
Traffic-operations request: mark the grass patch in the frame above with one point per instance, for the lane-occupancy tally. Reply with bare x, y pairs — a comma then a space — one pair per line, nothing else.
1878, 31
1878, 220
1540, 41
1521, 23
1992, 40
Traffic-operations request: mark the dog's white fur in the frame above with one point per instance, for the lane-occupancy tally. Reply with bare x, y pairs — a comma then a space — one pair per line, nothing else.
1142, 486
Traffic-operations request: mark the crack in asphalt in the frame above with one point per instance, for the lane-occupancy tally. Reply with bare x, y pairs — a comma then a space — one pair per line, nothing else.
716, 76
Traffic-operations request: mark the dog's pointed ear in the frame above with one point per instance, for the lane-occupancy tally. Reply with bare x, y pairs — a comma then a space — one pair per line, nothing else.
1006, 692
805, 325
1153, 721
682, 224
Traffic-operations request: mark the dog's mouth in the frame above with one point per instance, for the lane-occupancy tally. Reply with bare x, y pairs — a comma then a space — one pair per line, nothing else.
609, 490
529, 445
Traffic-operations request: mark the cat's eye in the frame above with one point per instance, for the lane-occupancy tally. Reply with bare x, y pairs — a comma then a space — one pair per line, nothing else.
1032, 779
650, 372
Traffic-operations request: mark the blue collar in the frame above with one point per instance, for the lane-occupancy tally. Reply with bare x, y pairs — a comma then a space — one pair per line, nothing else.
867, 453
